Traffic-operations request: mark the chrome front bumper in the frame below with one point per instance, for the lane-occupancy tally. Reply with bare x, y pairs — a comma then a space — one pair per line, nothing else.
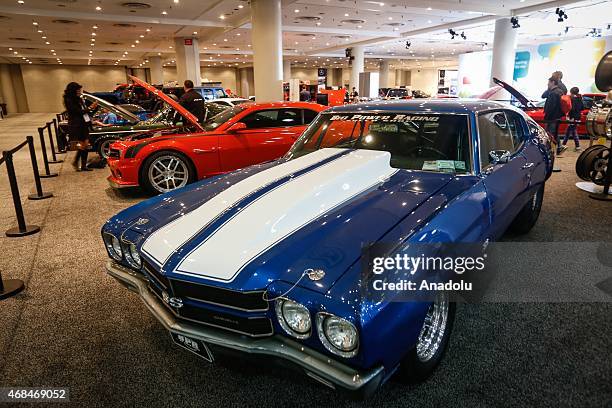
316, 365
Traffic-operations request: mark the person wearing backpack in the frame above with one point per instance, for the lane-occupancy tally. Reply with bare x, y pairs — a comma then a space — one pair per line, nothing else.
553, 111
574, 116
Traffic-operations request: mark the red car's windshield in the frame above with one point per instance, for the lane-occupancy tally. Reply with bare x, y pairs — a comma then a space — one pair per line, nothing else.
221, 118
416, 141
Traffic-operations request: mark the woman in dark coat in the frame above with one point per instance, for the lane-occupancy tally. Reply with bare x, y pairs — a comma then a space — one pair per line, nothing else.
79, 122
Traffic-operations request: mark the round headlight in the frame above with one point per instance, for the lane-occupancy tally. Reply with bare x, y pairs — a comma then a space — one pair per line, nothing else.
135, 256
117, 246
113, 246
338, 335
294, 318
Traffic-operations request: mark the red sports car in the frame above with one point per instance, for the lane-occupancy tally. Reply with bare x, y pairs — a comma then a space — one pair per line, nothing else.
246, 134
536, 110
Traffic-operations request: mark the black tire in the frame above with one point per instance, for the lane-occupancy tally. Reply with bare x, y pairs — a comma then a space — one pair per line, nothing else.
150, 185
526, 219
583, 163
102, 144
414, 368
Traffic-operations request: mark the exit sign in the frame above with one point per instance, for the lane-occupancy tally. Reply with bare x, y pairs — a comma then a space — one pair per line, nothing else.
188, 41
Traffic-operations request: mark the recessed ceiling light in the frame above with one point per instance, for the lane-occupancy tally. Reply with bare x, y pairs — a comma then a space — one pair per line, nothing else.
346, 14
95, 27
296, 10
164, 12
98, 8
148, 30
20, 1
240, 6
34, 23
222, 17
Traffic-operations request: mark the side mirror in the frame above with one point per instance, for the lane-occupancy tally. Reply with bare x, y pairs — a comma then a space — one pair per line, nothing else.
499, 156
236, 127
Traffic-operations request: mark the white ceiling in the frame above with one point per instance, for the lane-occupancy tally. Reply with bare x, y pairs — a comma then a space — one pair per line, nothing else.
315, 32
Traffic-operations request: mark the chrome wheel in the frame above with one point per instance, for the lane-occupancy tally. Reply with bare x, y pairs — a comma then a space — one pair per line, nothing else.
168, 172
104, 149
434, 327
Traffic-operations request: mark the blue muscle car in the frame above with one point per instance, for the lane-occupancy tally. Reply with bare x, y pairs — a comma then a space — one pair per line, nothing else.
266, 260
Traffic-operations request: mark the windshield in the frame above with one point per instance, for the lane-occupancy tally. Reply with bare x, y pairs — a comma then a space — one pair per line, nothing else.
218, 120
416, 141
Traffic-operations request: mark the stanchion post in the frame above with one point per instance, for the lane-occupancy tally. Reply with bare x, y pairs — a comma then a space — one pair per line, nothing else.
52, 145
22, 228
43, 147
40, 195
61, 142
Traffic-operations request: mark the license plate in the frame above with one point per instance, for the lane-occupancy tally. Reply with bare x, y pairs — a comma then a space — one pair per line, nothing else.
194, 345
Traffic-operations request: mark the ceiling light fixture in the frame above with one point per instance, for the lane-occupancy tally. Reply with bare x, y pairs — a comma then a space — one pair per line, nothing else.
515, 22
561, 15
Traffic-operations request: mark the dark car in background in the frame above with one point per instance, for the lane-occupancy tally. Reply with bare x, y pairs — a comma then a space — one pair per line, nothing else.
129, 124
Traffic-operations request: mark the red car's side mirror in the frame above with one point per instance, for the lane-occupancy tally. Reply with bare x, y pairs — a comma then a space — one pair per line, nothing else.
236, 127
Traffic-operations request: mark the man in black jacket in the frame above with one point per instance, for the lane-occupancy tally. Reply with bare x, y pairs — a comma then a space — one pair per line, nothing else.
552, 110
193, 101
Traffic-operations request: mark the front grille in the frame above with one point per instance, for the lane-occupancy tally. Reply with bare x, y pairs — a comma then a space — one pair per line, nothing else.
246, 301
253, 326
114, 153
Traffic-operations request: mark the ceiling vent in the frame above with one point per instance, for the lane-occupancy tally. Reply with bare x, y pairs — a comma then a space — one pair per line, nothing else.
114, 43
353, 21
124, 25
136, 5
19, 39
69, 41
71, 50
394, 24
308, 18
64, 21
342, 37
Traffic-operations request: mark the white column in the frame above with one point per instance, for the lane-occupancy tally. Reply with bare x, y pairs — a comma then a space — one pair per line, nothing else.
157, 73
383, 79
504, 45
187, 60
267, 50
286, 70
357, 67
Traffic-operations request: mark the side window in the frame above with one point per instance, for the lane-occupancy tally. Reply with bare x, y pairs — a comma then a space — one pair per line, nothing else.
290, 117
261, 119
494, 134
515, 121
309, 116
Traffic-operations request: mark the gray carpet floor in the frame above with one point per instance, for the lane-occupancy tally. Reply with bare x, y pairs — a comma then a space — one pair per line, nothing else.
75, 327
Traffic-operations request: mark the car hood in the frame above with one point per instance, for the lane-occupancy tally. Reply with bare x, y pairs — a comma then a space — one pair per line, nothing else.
117, 110
316, 211
177, 107
514, 92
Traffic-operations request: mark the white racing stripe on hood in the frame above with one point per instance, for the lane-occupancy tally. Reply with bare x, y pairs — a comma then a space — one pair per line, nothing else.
283, 211
163, 242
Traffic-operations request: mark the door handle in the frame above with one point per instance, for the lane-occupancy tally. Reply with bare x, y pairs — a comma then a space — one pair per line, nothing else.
527, 166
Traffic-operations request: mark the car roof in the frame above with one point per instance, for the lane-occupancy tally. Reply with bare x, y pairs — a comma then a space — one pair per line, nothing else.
445, 105
308, 105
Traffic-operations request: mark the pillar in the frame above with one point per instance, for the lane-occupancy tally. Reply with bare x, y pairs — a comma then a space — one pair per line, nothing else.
157, 73
383, 79
357, 67
399, 77
187, 60
267, 50
7, 91
286, 70
504, 45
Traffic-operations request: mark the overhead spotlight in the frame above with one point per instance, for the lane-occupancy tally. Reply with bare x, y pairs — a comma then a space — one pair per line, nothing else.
463, 35
515, 22
453, 33
408, 44
561, 15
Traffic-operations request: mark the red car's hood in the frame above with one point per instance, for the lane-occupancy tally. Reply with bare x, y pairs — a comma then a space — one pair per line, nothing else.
519, 96
175, 105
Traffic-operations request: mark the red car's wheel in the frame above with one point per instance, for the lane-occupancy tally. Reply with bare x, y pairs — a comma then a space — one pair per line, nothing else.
166, 171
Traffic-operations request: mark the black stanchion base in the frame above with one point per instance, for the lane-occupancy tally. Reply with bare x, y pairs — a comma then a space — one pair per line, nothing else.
40, 197
16, 232
601, 197
55, 161
11, 288
48, 175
